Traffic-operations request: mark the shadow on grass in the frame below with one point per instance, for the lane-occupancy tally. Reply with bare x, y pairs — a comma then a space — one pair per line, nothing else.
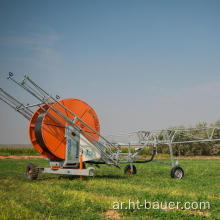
65, 177
110, 176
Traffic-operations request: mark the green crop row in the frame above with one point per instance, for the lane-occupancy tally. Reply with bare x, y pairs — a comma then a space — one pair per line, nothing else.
7, 151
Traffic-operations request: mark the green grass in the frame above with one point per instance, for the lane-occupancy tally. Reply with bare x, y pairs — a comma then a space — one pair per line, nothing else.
61, 197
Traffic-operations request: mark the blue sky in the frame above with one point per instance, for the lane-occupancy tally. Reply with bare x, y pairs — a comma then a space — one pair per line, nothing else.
139, 64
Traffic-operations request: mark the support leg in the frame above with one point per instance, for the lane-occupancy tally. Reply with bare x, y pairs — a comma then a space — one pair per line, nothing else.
171, 154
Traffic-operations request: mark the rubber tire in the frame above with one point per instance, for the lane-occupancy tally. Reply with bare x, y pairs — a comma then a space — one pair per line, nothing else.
128, 167
34, 171
174, 174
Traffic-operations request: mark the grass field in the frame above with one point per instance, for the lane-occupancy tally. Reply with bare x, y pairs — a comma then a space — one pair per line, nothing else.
61, 197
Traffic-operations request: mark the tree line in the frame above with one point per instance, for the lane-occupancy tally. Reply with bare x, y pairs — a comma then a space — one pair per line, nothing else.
199, 148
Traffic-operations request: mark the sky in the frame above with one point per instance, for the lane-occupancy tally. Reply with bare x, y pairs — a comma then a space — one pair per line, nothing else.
141, 65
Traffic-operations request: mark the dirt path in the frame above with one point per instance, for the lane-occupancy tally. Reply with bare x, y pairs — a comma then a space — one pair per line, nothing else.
200, 157
21, 157
41, 157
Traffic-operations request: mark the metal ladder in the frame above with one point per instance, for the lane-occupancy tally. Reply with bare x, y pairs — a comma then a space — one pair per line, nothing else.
47, 101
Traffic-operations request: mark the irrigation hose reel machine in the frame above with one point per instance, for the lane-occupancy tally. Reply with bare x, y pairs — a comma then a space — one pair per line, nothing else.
67, 132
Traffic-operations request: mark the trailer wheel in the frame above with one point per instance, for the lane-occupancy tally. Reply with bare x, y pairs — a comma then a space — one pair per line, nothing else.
177, 172
127, 169
32, 171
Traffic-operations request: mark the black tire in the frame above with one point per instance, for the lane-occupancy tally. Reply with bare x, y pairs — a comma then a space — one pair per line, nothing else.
177, 172
32, 171
127, 169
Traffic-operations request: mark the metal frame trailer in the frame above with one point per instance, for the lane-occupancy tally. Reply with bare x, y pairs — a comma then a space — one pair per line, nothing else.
100, 151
